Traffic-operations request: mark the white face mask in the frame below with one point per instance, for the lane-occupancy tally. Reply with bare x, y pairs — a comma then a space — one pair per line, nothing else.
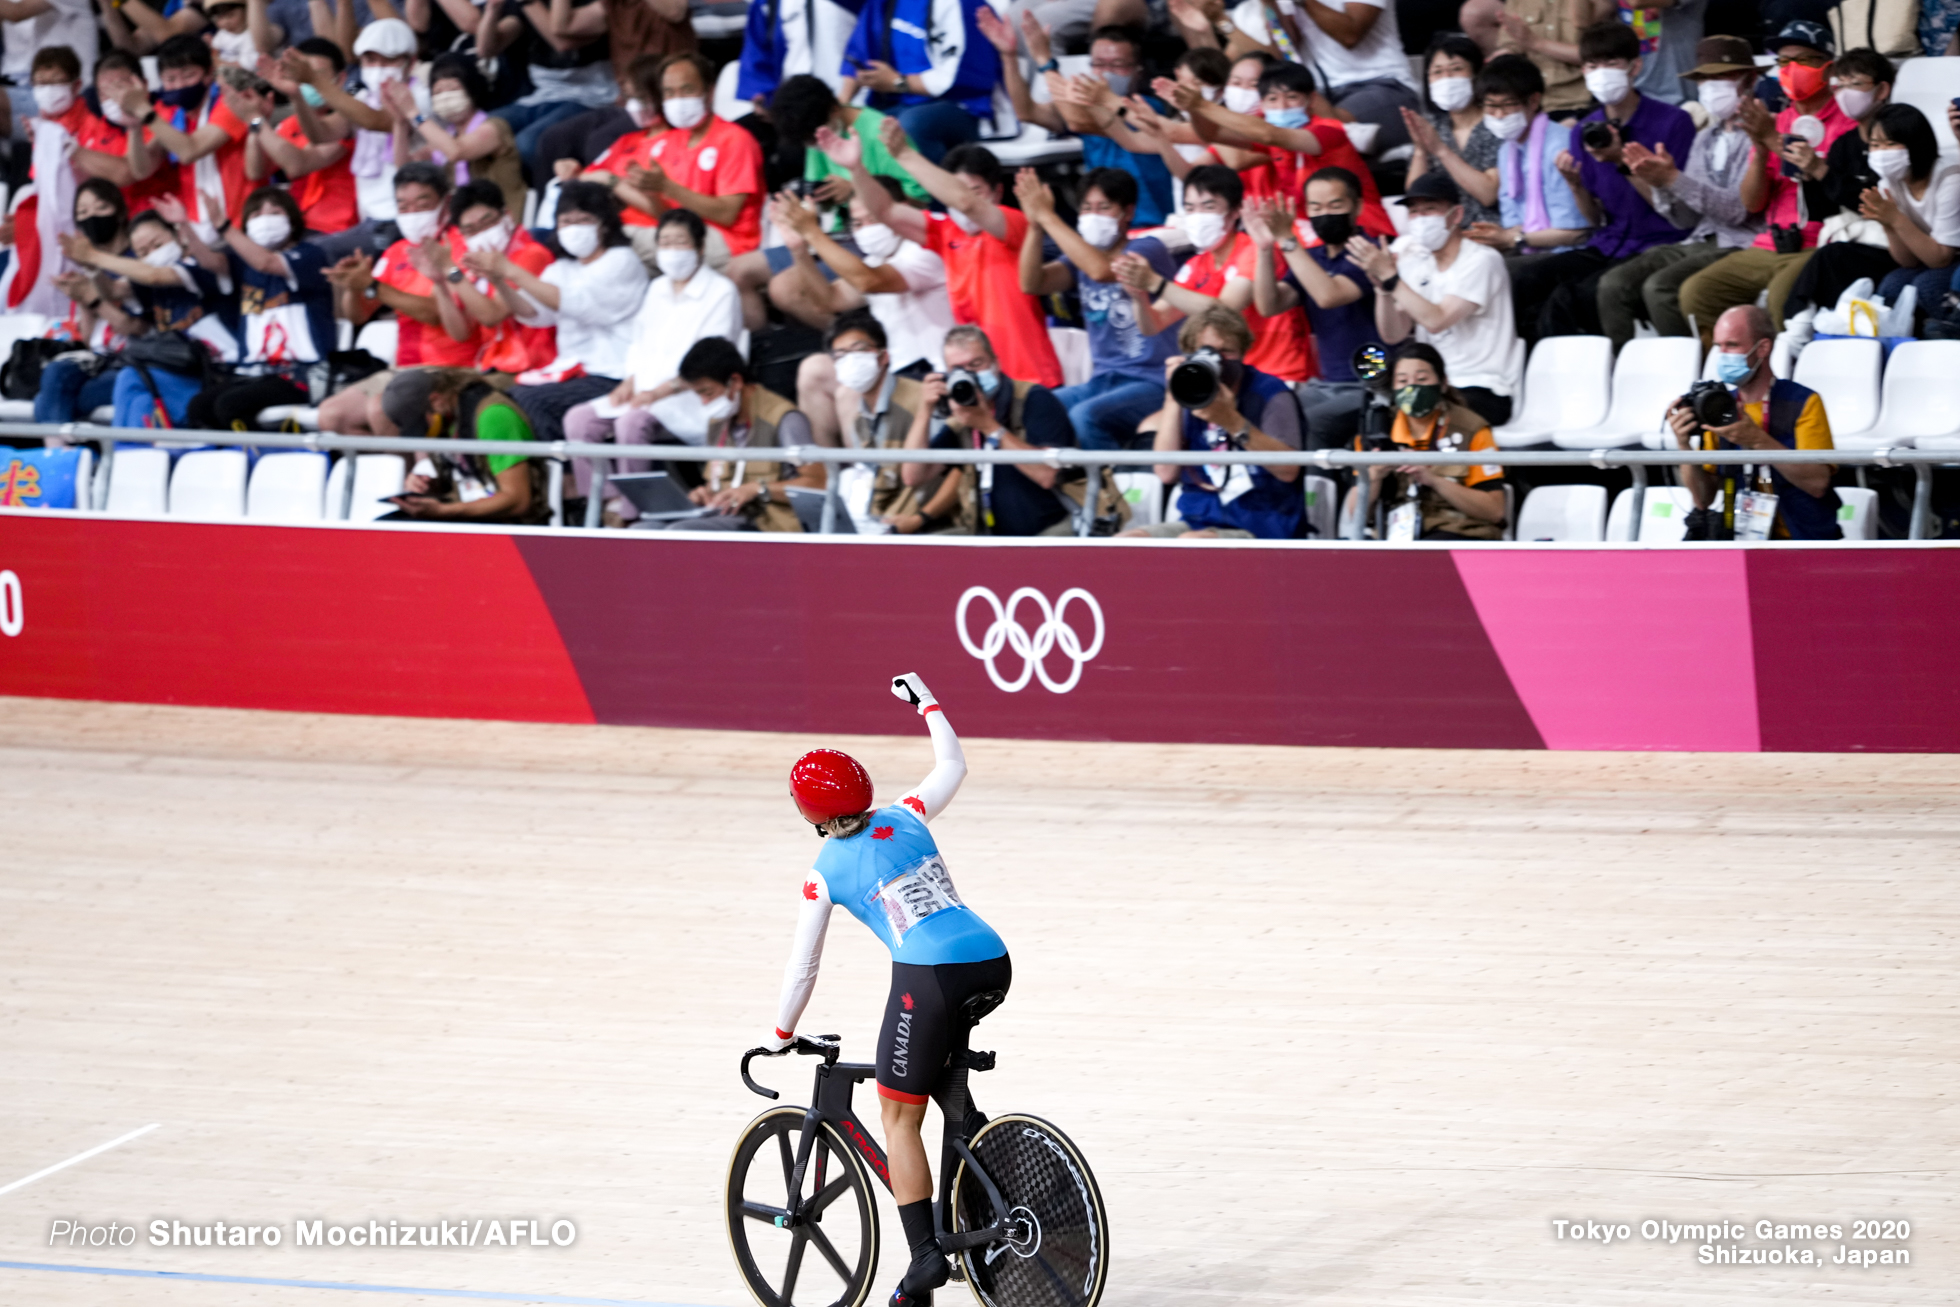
720, 409
379, 77
452, 106
579, 239
684, 113
1206, 230
1890, 162
168, 255
859, 372
637, 110
678, 264
877, 240
490, 238
1855, 104
1451, 93
269, 229
417, 227
964, 223
1430, 230
114, 112
54, 100
1720, 98
1505, 127
1209, 92
1099, 229
1608, 85
1241, 99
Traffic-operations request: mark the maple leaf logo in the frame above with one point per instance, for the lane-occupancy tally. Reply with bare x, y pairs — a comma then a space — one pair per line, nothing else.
907, 1000
810, 890
882, 833
915, 803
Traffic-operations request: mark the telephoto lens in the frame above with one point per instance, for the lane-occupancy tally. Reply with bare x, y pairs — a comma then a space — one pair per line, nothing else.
1597, 136
963, 388
1194, 382
1714, 406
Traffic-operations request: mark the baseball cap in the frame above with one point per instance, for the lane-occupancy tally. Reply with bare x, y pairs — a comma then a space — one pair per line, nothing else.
1718, 56
389, 37
406, 401
1801, 31
1433, 185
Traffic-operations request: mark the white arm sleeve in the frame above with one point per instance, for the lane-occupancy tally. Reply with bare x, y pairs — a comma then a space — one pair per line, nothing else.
805, 955
930, 797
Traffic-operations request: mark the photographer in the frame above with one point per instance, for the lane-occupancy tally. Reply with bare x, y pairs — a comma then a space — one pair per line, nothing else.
1766, 413
1446, 502
984, 410
1215, 401
1558, 294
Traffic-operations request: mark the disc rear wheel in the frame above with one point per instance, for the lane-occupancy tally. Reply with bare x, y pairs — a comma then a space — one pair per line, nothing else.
816, 1248
1056, 1249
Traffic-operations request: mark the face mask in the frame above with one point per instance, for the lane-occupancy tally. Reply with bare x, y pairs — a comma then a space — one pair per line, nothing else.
1506, 127
1241, 99
1117, 82
678, 264
1418, 401
1205, 229
311, 94
1721, 99
114, 112
1800, 82
1451, 93
100, 230
417, 227
379, 77
1854, 104
53, 101
964, 223
858, 372
579, 239
1430, 230
452, 106
269, 229
184, 97
877, 240
490, 238
1891, 163
1733, 369
1290, 118
1210, 93
165, 256
989, 380
1608, 85
637, 110
721, 408
1335, 229
684, 113
1099, 229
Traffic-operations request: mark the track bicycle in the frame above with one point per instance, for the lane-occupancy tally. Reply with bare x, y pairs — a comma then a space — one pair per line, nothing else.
1017, 1209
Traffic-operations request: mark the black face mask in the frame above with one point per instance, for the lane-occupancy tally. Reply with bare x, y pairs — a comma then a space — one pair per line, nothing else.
184, 97
1334, 229
100, 230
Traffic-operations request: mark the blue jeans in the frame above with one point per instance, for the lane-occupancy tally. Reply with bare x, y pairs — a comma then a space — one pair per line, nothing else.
136, 407
529, 121
1932, 283
67, 391
937, 127
1106, 409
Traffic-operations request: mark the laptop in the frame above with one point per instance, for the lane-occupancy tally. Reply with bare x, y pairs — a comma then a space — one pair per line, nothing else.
657, 495
808, 505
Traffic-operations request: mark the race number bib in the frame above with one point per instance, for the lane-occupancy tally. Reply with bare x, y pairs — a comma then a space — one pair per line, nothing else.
1755, 514
916, 893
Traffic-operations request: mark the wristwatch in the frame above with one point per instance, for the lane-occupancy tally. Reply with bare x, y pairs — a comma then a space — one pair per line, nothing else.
421, 118
256, 123
1049, 67
454, 276
1390, 282
762, 493
1289, 246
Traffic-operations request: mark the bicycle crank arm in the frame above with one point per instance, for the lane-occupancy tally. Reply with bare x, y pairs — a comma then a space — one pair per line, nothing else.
959, 1243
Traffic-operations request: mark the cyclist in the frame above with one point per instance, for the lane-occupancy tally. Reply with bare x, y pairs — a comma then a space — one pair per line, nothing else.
884, 869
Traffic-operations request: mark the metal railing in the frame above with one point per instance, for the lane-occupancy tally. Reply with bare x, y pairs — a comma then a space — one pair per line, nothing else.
559, 453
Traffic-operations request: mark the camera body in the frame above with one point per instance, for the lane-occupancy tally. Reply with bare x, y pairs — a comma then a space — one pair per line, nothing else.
963, 388
1712, 404
1598, 136
1194, 383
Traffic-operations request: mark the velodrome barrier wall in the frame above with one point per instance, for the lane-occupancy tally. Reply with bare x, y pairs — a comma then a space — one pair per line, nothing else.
1785, 647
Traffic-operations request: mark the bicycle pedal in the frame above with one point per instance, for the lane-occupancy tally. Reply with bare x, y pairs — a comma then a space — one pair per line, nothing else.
958, 1275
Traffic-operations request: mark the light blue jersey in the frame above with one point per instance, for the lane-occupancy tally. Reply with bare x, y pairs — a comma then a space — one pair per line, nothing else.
892, 878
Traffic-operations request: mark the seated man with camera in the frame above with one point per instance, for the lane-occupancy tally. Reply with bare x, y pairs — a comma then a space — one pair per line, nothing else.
1216, 401
973, 405
1784, 501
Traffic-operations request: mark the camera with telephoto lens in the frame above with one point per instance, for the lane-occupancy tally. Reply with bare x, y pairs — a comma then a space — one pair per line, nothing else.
1195, 382
962, 388
1711, 403
1599, 136
1370, 363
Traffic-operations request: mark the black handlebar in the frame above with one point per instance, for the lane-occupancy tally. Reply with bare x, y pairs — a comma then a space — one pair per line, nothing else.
828, 1047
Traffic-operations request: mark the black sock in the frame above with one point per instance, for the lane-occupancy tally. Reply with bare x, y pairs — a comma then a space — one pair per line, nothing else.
916, 1218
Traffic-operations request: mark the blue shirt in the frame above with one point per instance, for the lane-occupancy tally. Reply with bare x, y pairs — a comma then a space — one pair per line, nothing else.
1561, 206
1154, 191
1339, 332
284, 322
1117, 346
1631, 226
891, 877
902, 34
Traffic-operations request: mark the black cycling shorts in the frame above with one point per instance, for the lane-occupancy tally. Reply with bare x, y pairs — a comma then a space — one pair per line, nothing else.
923, 1024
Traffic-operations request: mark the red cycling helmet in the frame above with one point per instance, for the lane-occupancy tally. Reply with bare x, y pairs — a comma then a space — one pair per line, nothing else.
826, 784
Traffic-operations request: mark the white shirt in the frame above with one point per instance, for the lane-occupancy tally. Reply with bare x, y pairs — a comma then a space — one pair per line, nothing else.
69, 22
673, 317
1938, 210
597, 302
1377, 55
1484, 349
917, 318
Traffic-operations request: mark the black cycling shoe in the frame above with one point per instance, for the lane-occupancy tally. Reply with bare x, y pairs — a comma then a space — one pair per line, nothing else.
921, 1278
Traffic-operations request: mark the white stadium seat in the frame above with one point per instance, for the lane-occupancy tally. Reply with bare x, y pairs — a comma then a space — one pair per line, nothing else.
303, 416
289, 487
1142, 491
1665, 516
139, 482
1858, 515
376, 478
1845, 374
1565, 386
1321, 493
378, 338
1916, 372
209, 484
1563, 513
1648, 376
1928, 85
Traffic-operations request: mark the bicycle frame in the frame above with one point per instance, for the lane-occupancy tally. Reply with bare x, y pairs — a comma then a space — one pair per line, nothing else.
830, 1101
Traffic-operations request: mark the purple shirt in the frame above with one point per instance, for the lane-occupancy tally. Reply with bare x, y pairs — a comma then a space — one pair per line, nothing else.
1629, 225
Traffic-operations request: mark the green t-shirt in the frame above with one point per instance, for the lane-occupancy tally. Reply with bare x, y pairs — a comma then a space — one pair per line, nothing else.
502, 421
878, 160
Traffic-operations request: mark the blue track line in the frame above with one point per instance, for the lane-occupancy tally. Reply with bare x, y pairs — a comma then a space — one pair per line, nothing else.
478, 1294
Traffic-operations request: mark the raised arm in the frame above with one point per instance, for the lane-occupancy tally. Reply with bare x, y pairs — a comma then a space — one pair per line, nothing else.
931, 795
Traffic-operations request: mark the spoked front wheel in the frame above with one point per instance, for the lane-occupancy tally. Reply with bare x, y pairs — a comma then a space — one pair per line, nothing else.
1056, 1252
816, 1248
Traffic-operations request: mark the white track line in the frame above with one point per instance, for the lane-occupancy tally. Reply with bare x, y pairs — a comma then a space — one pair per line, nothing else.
80, 1157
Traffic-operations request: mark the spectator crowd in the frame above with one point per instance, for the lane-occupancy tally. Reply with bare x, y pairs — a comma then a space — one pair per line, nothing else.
584, 227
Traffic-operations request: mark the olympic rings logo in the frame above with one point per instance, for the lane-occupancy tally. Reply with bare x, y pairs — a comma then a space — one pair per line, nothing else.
1052, 633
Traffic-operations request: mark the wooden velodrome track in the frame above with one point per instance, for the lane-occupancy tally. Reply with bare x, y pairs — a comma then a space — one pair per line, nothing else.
1339, 1027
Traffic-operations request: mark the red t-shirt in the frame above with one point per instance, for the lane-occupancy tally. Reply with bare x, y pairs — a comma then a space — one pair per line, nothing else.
727, 162
635, 149
230, 157
511, 346
983, 281
1780, 208
1291, 171
104, 137
418, 344
326, 195
1281, 346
